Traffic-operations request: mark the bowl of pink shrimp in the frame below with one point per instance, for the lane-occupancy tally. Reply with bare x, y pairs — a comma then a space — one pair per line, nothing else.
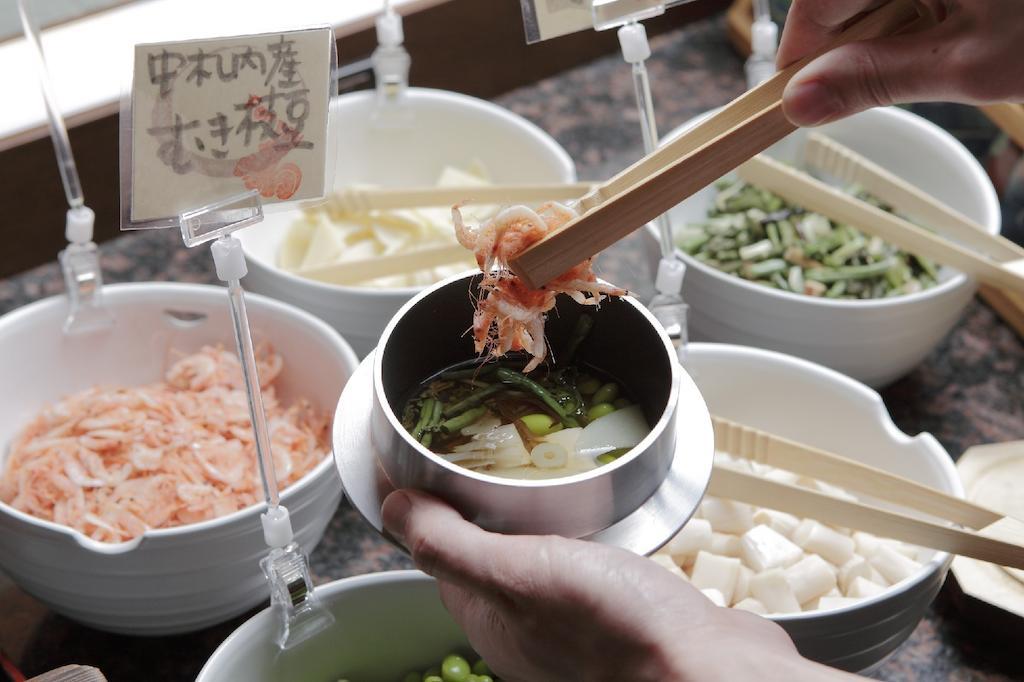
129, 490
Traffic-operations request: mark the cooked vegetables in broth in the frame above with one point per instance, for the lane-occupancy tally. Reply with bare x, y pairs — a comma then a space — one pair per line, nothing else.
496, 418
757, 235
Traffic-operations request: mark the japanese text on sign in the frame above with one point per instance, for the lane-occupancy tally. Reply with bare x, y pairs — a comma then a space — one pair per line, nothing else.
212, 118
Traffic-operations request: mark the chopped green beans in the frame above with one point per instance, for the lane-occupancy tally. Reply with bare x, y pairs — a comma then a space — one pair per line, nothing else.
463, 420
472, 400
756, 235
599, 410
539, 424
426, 414
522, 381
584, 323
606, 394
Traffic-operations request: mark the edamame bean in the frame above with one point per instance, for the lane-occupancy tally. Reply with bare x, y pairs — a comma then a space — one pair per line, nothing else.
599, 410
588, 385
606, 393
540, 424
455, 668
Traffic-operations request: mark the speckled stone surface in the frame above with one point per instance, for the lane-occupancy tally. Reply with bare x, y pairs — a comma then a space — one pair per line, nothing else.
969, 390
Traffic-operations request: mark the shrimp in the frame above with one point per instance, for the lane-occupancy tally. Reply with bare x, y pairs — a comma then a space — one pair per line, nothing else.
509, 315
114, 462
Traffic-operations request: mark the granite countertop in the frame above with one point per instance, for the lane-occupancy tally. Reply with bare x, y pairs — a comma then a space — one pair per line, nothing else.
968, 391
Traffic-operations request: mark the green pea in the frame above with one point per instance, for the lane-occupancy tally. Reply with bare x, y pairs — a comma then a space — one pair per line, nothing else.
599, 410
588, 385
455, 668
606, 394
484, 678
473, 678
412, 677
539, 424
621, 403
481, 668
432, 675
433, 678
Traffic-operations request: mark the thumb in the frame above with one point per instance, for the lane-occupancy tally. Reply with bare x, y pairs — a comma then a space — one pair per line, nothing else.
442, 543
872, 73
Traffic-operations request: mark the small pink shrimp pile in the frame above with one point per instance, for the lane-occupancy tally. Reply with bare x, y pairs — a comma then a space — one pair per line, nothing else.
113, 462
509, 315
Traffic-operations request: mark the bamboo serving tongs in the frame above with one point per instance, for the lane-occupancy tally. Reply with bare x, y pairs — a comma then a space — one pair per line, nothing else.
830, 157
998, 538
1004, 268
364, 199
660, 180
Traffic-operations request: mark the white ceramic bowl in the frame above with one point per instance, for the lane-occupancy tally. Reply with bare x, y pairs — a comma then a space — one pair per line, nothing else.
812, 404
449, 129
386, 625
175, 579
875, 341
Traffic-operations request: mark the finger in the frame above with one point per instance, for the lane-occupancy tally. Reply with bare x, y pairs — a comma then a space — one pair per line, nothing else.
862, 75
812, 24
442, 543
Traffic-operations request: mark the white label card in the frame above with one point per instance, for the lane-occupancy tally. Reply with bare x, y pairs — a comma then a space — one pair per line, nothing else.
213, 118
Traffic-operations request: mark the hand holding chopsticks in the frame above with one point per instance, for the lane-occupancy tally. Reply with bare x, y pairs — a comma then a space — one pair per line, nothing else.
656, 183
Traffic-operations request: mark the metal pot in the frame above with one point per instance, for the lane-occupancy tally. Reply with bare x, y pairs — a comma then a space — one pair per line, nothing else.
430, 333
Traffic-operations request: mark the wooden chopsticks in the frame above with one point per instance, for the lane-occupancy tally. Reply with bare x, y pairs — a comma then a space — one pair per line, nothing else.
766, 448
362, 199
1009, 117
660, 180
817, 196
355, 271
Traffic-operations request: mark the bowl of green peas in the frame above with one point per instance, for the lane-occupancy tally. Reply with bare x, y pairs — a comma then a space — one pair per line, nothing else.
388, 627
764, 272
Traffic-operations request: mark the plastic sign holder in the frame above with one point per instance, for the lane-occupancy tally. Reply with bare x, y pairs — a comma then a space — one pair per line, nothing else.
210, 131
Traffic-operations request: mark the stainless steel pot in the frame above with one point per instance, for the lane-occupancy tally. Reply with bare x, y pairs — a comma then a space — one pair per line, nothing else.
430, 333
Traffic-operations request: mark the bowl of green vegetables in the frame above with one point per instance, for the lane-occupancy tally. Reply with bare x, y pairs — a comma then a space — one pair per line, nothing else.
764, 272
388, 627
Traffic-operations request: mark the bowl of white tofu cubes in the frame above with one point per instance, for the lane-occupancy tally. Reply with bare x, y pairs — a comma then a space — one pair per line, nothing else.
434, 138
848, 599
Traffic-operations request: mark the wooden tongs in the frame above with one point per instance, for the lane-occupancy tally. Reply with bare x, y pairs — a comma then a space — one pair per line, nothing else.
746, 126
996, 538
991, 259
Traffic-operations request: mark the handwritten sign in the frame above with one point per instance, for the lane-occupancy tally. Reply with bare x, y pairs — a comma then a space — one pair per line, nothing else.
213, 118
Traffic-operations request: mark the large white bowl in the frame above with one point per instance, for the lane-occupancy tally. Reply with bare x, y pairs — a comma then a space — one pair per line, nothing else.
448, 129
815, 405
175, 579
390, 623
386, 625
876, 341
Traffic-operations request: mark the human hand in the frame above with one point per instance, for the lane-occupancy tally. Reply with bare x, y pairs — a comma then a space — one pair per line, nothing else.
960, 51
547, 608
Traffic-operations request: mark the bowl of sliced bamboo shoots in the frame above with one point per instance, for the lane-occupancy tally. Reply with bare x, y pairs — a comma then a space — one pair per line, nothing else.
765, 272
355, 267
847, 598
